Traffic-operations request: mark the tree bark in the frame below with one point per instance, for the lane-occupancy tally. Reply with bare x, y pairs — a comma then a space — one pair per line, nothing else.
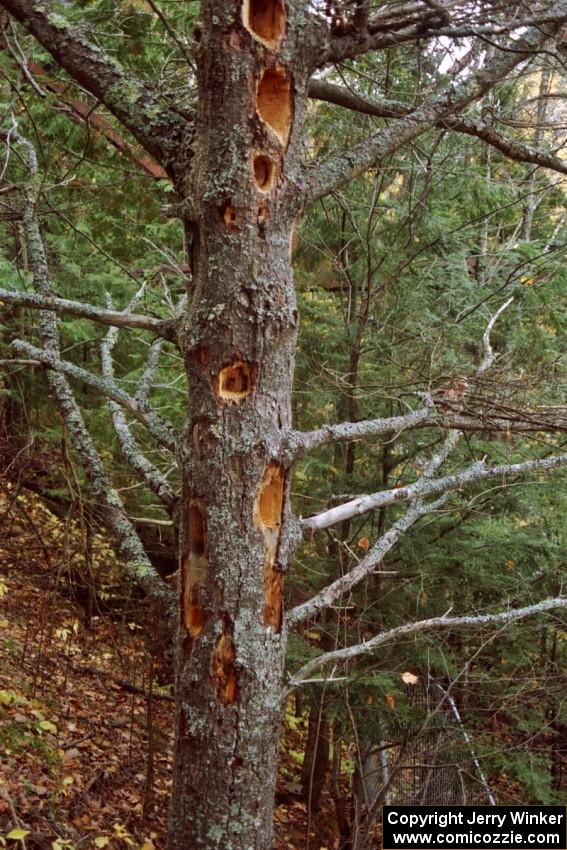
238, 345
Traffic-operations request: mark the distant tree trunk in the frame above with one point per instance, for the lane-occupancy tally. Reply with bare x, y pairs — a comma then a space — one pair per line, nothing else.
316, 759
239, 344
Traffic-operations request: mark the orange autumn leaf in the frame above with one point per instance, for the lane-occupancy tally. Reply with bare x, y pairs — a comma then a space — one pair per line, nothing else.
364, 543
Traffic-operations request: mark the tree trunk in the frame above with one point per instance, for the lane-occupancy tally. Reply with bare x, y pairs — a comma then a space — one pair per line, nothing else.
316, 759
239, 342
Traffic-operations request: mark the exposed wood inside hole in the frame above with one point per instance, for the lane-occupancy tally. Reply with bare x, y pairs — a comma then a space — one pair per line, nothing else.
262, 214
265, 19
228, 215
235, 381
268, 509
223, 671
196, 571
269, 501
263, 172
273, 101
273, 592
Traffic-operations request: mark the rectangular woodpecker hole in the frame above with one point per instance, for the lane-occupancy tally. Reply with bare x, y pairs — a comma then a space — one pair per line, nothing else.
269, 501
265, 19
273, 591
268, 516
222, 666
264, 172
196, 530
273, 101
196, 572
235, 381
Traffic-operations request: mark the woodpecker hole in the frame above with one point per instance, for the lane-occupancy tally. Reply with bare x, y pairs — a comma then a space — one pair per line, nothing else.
194, 614
267, 516
273, 592
196, 573
196, 530
263, 172
262, 214
235, 381
265, 19
228, 215
274, 101
269, 500
223, 672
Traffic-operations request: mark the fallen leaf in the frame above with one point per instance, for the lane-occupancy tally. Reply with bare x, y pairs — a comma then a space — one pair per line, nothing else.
18, 834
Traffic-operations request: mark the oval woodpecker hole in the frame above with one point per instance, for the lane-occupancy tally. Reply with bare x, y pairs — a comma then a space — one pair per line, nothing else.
263, 172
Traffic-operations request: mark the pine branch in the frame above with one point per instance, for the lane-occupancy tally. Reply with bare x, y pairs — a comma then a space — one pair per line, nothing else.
158, 126
165, 328
432, 624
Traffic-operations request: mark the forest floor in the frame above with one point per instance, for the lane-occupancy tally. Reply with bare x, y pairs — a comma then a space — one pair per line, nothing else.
85, 753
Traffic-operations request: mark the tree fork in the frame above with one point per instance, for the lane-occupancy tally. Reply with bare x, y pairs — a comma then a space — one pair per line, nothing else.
238, 344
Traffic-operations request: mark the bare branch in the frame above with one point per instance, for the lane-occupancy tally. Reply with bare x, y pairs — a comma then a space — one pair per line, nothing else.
165, 328
136, 561
332, 592
148, 375
433, 624
393, 25
155, 480
385, 108
521, 421
325, 177
158, 427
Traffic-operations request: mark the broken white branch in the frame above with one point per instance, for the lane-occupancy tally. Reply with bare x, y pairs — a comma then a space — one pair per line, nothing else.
330, 594
427, 487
